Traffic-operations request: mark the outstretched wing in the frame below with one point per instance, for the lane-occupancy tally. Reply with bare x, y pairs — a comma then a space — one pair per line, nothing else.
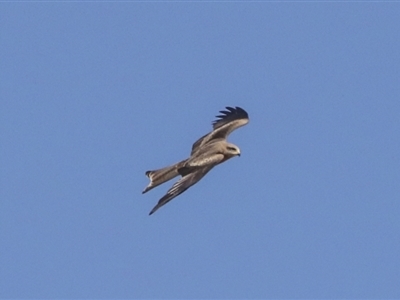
182, 185
226, 122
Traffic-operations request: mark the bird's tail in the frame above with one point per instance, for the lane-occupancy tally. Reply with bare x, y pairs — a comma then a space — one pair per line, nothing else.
160, 176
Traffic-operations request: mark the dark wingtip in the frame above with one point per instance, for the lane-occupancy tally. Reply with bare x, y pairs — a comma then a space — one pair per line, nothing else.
229, 114
238, 108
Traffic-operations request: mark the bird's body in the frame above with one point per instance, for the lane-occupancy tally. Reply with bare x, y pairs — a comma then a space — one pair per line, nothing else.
207, 152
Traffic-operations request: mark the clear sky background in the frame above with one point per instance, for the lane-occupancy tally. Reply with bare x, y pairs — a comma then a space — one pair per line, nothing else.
94, 94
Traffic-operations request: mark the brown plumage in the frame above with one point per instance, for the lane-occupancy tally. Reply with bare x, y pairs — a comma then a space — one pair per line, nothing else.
207, 152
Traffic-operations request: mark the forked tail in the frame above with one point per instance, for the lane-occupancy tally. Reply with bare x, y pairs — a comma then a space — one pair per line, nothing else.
160, 176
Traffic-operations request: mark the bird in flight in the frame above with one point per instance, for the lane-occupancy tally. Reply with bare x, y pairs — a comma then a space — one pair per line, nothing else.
207, 152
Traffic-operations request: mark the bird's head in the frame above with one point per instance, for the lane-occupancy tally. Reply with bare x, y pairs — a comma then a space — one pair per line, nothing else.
232, 150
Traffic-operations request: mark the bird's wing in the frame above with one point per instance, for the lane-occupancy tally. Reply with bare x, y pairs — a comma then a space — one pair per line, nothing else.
226, 122
182, 185
204, 160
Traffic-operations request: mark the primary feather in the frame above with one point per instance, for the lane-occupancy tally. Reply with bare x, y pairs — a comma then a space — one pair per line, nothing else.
207, 152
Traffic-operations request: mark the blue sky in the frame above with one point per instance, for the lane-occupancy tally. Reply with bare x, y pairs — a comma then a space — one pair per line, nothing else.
94, 94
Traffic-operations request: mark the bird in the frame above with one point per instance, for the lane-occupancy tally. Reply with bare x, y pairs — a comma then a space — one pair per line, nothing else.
207, 152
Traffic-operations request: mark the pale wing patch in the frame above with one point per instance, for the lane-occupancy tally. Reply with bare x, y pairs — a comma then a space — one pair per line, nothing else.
208, 151
226, 122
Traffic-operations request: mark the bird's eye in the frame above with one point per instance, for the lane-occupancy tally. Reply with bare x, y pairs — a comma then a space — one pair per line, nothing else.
232, 149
